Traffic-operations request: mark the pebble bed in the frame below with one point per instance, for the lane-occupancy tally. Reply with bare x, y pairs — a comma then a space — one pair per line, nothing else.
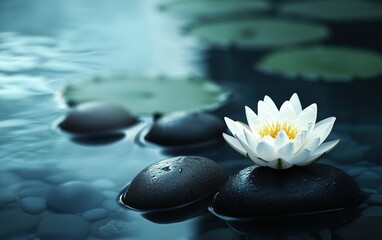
49, 203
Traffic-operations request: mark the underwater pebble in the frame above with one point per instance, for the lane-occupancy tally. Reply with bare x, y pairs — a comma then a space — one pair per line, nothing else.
114, 227
356, 171
374, 154
16, 222
33, 205
29, 184
7, 196
376, 199
110, 205
34, 192
34, 173
60, 178
95, 214
174, 182
369, 179
110, 194
361, 228
369, 191
103, 183
63, 226
46, 213
74, 197
349, 155
221, 234
184, 128
261, 192
97, 118
372, 211
7, 179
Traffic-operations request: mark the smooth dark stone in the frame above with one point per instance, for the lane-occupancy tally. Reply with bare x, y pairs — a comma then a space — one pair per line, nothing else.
95, 118
183, 128
260, 192
270, 228
173, 182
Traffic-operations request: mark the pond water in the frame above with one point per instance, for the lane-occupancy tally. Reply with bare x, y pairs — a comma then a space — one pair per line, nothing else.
45, 45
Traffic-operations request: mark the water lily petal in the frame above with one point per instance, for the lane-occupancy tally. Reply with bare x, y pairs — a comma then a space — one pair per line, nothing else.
250, 151
265, 113
281, 139
300, 157
279, 164
253, 120
265, 151
307, 118
252, 139
323, 128
271, 105
234, 143
287, 112
299, 141
325, 147
296, 103
286, 152
312, 146
235, 128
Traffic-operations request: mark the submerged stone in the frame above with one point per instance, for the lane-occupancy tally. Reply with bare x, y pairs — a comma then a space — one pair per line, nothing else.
174, 189
74, 197
97, 118
16, 222
361, 228
63, 226
258, 192
186, 128
110, 228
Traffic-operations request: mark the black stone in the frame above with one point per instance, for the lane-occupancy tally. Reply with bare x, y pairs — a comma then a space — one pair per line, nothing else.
172, 183
97, 118
260, 192
183, 128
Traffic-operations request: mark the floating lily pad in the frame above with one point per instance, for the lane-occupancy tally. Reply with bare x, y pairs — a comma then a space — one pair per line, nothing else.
202, 8
259, 32
326, 63
144, 95
337, 11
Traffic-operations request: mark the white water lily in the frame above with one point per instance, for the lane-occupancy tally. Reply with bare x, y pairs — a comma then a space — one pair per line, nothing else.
281, 138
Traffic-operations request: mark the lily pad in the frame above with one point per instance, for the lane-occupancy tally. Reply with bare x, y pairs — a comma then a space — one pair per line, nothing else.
335, 11
325, 63
145, 95
207, 8
259, 32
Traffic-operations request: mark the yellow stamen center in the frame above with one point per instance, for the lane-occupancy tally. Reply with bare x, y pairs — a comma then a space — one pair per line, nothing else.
272, 129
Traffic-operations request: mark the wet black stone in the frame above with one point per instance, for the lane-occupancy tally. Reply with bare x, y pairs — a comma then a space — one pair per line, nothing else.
94, 118
258, 192
173, 182
185, 128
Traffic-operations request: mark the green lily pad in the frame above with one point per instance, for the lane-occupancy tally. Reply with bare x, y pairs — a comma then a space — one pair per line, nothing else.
326, 63
144, 95
336, 11
206, 8
259, 32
